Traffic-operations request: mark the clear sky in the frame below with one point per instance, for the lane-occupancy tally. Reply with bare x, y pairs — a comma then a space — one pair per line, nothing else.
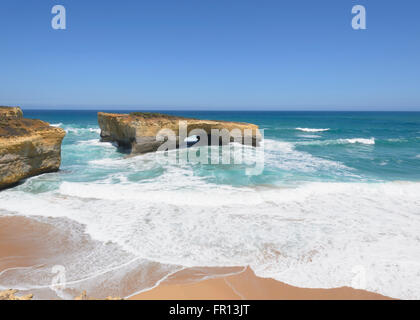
211, 54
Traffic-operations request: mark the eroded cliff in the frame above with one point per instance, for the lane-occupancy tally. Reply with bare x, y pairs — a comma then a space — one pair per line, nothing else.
138, 131
27, 147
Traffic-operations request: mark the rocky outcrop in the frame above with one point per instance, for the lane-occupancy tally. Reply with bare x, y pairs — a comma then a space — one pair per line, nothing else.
84, 296
10, 295
138, 131
27, 147
8, 113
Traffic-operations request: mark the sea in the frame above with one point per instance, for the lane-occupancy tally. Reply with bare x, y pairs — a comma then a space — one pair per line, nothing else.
337, 203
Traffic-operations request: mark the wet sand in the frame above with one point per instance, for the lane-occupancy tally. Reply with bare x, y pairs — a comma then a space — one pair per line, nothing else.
245, 285
19, 245
22, 244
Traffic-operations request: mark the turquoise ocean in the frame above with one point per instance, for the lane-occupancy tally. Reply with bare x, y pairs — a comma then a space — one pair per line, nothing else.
337, 204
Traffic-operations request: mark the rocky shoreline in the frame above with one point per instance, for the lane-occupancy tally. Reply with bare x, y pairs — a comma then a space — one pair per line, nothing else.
11, 295
28, 147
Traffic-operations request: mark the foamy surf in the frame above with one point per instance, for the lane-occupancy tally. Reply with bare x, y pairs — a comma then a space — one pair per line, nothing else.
283, 155
97, 143
80, 131
351, 141
312, 129
359, 140
309, 136
309, 236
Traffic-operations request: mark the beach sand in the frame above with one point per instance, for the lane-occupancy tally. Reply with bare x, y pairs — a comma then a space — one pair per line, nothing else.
22, 244
245, 285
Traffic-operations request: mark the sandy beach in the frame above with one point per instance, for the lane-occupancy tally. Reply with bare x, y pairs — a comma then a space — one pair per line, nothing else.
20, 242
22, 245
245, 285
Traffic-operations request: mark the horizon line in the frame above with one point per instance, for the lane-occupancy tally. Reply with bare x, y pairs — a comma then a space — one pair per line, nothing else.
412, 109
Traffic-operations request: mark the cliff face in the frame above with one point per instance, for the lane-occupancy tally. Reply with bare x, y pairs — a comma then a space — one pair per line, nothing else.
27, 147
7, 113
138, 131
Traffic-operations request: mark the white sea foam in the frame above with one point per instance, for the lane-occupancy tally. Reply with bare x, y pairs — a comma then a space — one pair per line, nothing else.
191, 139
56, 124
97, 143
365, 141
309, 136
312, 129
284, 156
78, 131
360, 140
150, 194
277, 154
106, 162
310, 236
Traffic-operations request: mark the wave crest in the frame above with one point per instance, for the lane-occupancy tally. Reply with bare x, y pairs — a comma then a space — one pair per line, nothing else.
312, 129
359, 140
365, 141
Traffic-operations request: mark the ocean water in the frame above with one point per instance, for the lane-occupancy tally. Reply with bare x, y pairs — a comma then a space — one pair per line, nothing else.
337, 204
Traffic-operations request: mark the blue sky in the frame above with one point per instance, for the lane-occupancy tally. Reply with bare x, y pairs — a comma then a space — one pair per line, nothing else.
211, 54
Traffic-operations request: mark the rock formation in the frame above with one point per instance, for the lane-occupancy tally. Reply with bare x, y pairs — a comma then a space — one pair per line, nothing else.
138, 131
84, 296
8, 113
10, 295
27, 147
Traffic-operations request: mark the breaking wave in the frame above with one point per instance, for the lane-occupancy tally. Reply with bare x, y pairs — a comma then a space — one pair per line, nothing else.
78, 131
312, 129
363, 141
358, 140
